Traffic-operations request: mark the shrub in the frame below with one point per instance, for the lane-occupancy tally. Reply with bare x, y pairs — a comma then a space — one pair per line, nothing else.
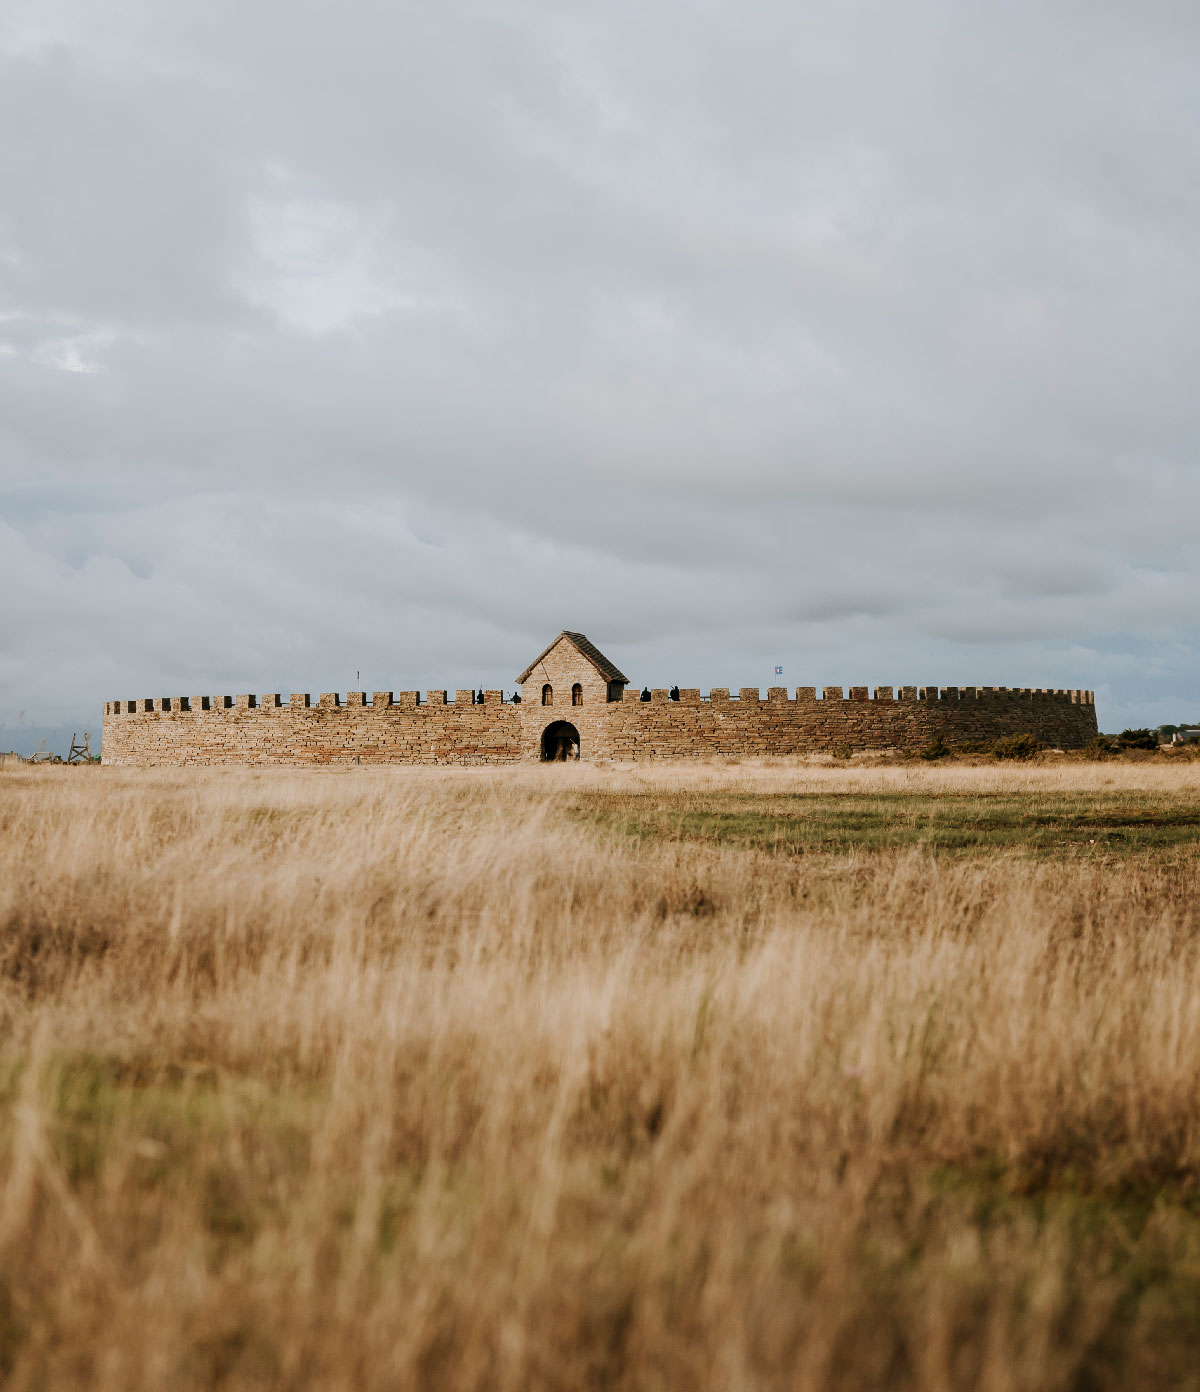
1016, 747
937, 748
1137, 739
1101, 746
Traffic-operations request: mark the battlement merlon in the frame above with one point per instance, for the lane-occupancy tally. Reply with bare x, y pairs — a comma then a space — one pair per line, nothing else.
332, 700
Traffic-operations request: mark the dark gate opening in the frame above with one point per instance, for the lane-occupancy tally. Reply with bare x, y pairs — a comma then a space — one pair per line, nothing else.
560, 742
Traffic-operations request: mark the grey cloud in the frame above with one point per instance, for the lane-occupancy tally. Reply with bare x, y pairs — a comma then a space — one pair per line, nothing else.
354, 337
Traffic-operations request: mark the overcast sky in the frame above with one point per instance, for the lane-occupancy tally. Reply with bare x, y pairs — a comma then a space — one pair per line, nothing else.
861, 338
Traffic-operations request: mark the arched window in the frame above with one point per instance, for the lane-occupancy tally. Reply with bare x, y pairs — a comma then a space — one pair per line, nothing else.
547, 695
577, 695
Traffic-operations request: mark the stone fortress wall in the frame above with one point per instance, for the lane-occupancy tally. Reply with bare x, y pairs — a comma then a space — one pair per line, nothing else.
575, 702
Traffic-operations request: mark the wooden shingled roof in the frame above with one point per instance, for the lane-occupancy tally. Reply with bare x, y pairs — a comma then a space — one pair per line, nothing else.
608, 670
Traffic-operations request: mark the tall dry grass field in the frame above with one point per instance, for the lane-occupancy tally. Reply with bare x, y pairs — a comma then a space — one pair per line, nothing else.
774, 1077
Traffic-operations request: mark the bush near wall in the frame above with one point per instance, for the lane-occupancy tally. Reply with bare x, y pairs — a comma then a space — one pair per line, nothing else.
1126, 740
1138, 739
1016, 747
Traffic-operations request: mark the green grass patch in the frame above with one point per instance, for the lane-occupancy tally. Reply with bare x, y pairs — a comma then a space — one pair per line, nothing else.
1053, 824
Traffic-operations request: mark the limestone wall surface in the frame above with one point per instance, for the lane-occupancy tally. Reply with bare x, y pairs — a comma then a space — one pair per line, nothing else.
404, 728
400, 729
804, 723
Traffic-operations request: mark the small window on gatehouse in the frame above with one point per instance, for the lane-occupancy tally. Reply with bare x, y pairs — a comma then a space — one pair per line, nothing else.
547, 695
577, 695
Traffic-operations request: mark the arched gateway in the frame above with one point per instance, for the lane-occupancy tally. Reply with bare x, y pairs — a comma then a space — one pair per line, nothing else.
560, 742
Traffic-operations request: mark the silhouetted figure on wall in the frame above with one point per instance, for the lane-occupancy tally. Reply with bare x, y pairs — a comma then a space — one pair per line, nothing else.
646, 693
674, 693
516, 698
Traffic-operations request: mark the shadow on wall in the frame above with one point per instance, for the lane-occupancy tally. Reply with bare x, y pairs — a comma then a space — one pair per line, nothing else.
560, 743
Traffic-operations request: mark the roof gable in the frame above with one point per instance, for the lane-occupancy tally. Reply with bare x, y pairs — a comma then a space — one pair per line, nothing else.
586, 649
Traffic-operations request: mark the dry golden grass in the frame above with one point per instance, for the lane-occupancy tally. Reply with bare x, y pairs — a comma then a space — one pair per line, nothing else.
434, 1079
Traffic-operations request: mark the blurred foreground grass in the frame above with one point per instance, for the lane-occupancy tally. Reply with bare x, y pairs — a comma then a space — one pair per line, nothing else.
561, 1078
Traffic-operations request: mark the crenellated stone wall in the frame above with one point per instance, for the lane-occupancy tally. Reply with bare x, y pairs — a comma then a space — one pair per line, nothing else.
803, 723
404, 728
400, 728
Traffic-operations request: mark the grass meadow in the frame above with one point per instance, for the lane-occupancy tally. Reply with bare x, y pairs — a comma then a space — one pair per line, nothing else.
742, 1077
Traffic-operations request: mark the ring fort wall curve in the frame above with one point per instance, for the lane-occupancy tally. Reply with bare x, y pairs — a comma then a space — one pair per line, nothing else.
572, 681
